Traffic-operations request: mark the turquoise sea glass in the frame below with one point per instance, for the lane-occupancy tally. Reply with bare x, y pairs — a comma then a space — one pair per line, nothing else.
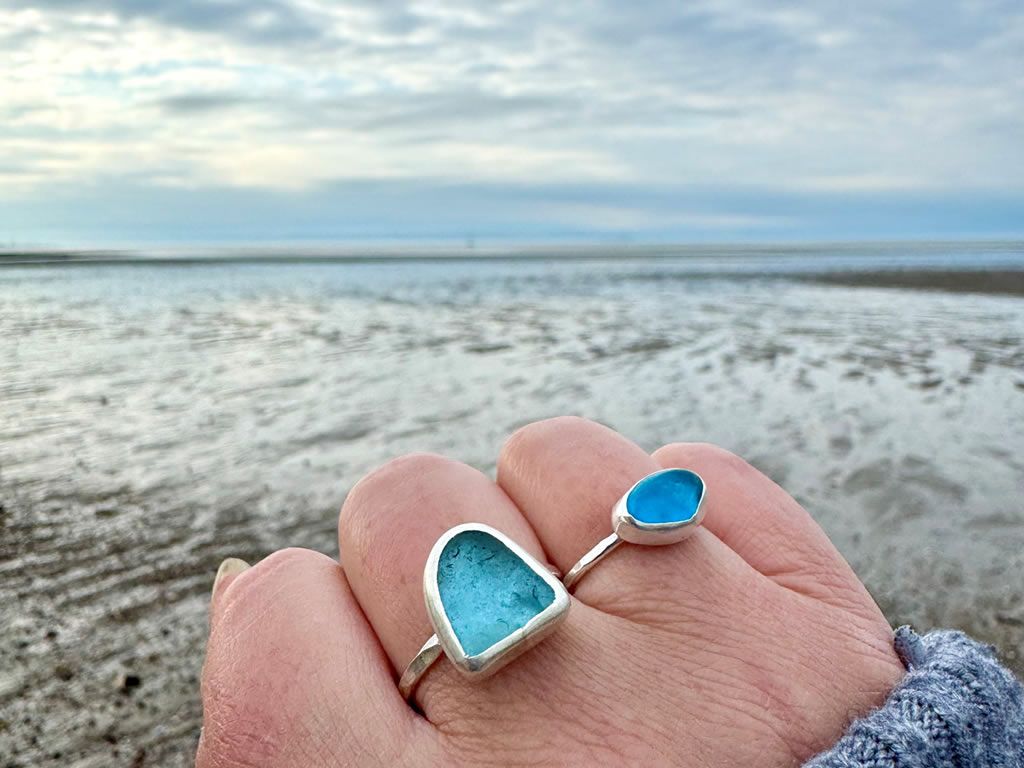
487, 591
671, 496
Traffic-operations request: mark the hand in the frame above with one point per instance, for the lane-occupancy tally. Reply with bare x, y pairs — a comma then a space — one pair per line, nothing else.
752, 643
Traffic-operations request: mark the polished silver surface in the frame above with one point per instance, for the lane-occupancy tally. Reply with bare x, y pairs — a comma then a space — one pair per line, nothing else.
625, 528
501, 653
427, 655
589, 560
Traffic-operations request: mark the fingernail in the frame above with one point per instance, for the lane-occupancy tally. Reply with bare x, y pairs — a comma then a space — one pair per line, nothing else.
230, 568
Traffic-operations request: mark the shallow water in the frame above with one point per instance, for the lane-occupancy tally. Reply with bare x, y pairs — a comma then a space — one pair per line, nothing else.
157, 418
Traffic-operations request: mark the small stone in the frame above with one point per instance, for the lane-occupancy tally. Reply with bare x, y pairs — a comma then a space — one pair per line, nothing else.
127, 682
63, 672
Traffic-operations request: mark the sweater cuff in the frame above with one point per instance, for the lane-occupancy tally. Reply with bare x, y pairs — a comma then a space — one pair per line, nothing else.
956, 707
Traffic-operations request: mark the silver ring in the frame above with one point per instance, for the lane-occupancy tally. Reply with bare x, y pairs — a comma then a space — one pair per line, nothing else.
662, 508
488, 600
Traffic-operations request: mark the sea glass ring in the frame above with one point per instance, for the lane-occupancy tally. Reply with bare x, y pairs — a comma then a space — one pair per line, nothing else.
488, 601
662, 508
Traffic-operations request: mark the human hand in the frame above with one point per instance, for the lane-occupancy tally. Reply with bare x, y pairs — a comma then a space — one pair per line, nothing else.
750, 643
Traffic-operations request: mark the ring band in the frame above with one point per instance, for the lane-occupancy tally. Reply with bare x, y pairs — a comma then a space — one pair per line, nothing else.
488, 601
421, 662
592, 558
662, 508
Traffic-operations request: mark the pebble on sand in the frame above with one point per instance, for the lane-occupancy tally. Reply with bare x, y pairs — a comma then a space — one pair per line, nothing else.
127, 682
63, 672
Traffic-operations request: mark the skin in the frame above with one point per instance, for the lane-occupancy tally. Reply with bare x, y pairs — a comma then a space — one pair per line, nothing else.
750, 643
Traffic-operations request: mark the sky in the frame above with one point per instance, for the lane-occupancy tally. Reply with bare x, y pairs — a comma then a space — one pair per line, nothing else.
129, 122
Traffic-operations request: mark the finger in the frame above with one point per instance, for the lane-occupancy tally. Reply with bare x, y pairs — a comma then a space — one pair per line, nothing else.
229, 570
766, 526
565, 474
294, 673
389, 524
387, 527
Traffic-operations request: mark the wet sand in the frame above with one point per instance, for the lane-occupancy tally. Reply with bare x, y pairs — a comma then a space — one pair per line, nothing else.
996, 282
156, 419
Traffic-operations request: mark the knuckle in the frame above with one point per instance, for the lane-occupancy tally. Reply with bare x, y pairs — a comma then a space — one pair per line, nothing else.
291, 559
369, 501
253, 593
276, 567
410, 464
706, 457
396, 496
396, 472
523, 440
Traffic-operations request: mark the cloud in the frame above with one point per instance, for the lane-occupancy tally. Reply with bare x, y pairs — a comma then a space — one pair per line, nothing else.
191, 104
257, 21
290, 96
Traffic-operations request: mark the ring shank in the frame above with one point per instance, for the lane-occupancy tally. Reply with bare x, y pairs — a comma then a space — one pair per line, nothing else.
589, 560
421, 662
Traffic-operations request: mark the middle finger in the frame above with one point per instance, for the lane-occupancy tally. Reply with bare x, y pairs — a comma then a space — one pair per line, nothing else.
387, 527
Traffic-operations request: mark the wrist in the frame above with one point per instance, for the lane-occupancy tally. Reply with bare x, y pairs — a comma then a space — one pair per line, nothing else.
955, 706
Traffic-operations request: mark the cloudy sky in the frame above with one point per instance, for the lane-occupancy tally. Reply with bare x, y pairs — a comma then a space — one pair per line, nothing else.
165, 121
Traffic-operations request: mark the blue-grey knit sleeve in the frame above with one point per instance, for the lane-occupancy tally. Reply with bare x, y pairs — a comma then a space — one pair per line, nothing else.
957, 707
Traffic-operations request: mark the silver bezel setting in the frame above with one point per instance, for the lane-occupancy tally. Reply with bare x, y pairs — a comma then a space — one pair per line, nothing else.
501, 653
628, 528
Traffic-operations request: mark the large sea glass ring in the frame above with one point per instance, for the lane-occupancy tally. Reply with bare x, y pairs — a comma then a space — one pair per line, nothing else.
488, 601
663, 508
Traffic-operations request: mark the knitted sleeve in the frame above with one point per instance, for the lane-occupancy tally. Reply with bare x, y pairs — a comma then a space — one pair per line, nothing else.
957, 707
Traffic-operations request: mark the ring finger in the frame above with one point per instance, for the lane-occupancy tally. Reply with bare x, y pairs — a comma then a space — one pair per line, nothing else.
565, 475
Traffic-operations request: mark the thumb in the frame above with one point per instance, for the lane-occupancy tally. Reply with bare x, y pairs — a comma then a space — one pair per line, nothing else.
228, 571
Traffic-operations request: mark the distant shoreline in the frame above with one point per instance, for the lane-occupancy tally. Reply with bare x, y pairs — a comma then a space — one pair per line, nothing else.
286, 253
1000, 280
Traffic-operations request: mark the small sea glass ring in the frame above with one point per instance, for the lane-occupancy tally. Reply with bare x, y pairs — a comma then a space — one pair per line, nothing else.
663, 508
488, 601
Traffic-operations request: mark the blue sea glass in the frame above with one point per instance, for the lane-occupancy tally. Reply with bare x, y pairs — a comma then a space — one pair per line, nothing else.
671, 496
487, 591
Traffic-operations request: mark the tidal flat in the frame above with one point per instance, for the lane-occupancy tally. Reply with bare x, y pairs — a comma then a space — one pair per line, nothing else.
158, 417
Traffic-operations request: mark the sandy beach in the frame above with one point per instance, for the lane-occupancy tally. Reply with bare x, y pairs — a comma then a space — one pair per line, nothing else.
155, 419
